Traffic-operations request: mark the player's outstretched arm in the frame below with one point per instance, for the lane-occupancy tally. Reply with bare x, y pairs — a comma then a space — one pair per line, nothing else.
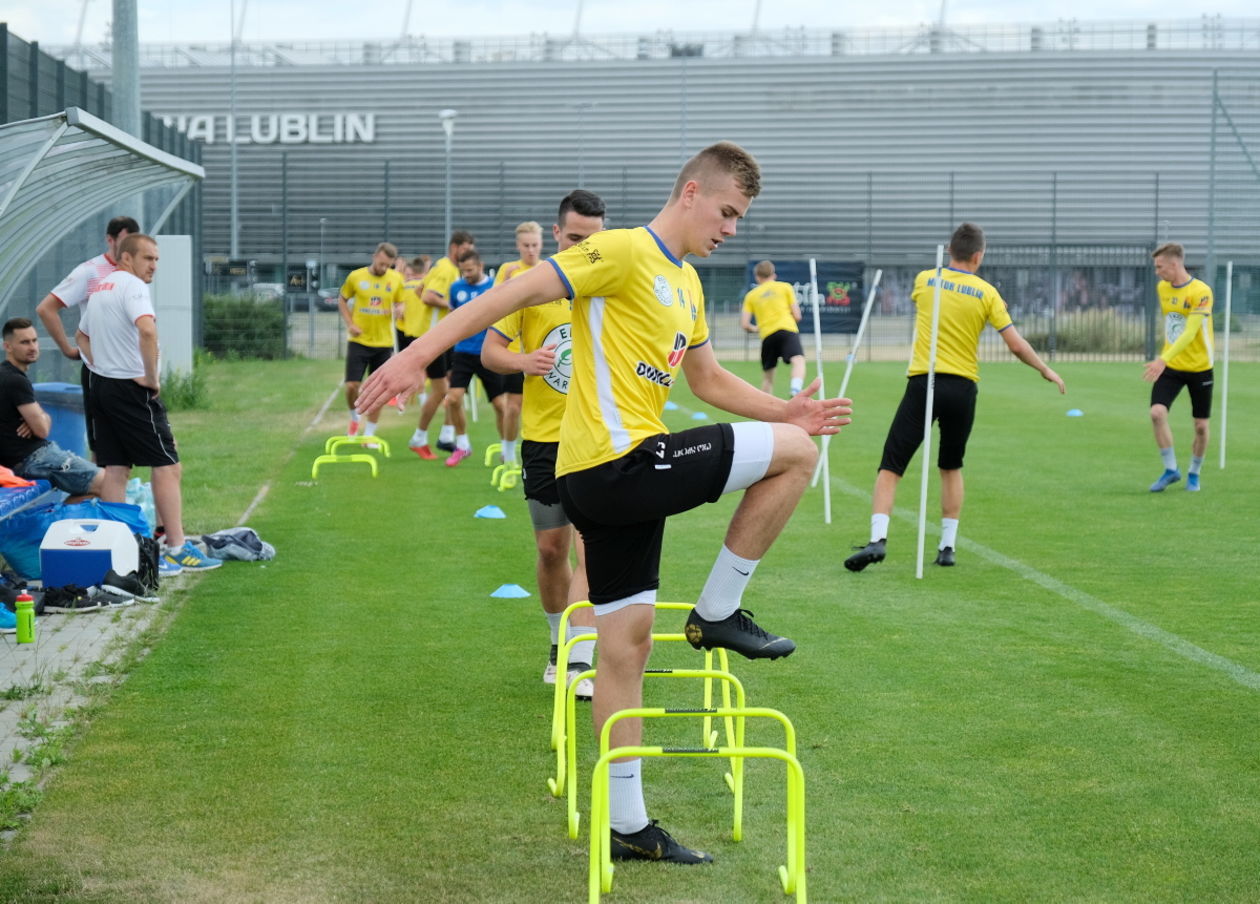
403, 374
496, 355
714, 384
1023, 351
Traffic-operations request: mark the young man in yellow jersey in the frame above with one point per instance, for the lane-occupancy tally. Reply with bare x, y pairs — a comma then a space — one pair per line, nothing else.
413, 319
773, 304
366, 305
1185, 361
544, 336
638, 318
529, 246
968, 304
437, 285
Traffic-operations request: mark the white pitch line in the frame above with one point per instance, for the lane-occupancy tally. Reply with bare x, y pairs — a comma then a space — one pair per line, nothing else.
1166, 639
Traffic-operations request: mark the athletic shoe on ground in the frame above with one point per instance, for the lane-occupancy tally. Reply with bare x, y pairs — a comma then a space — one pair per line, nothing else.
446, 445
945, 556
1167, 479
424, 452
866, 555
167, 568
127, 585
353, 428
549, 673
8, 621
70, 598
1192, 483
737, 632
585, 688
372, 446
398, 403
653, 843
109, 600
457, 456
190, 557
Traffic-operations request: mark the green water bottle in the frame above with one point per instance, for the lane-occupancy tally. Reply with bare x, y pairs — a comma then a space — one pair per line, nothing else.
25, 611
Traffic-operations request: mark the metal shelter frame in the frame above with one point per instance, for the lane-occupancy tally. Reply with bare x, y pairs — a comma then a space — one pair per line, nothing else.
57, 171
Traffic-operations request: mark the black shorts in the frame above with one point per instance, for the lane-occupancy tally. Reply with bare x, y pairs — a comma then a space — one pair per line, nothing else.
364, 359
783, 345
953, 406
1199, 383
402, 340
130, 425
465, 365
513, 384
440, 367
539, 463
85, 380
620, 507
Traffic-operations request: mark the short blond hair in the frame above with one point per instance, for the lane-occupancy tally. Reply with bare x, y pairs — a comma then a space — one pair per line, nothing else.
528, 226
722, 159
764, 269
1170, 249
388, 249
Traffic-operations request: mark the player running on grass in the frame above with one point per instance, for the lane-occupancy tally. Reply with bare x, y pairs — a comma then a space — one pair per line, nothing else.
968, 303
1186, 360
366, 305
638, 318
774, 305
544, 334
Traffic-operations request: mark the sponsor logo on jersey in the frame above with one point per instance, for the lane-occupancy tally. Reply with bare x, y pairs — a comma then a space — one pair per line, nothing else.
653, 374
664, 294
562, 371
680, 349
365, 284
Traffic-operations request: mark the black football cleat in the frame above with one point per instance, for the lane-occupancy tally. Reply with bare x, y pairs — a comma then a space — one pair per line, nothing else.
945, 556
653, 843
866, 555
737, 632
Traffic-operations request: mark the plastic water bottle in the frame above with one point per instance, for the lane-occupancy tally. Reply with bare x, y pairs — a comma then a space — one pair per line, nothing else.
25, 610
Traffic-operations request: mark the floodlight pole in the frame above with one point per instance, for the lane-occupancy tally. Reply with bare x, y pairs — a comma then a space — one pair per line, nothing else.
447, 118
234, 230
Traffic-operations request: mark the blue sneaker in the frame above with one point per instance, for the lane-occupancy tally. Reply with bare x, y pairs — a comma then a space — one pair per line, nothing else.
190, 557
8, 621
1167, 479
167, 568
1192, 483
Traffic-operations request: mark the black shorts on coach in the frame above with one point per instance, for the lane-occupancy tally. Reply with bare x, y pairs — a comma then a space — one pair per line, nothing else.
953, 407
130, 425
620, 507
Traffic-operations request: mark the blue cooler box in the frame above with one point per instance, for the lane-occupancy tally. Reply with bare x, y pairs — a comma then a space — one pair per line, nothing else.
81, 550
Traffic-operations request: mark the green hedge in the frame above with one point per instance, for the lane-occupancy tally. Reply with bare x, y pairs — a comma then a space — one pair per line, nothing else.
1105, 331
243, 327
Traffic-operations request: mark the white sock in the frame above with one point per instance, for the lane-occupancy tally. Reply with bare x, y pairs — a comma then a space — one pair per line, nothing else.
949, 533
370, 429
626, 811
354, 415
796, 384
446, 434
724, 590
461, 442
423, 397
1196, 464
879, 527
1169, 457
583, 650
509, 451
553, 621
419, 438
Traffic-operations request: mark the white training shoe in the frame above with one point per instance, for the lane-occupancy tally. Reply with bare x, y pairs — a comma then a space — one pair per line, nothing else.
549, 673
586, 687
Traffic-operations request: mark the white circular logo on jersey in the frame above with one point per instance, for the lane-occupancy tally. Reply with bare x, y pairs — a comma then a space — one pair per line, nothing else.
461, 296
562, 371
365, 285
664, 294
1174, 325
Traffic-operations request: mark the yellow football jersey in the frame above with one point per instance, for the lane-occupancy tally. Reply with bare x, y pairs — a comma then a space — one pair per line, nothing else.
771, 303
967, 304
440, 276
508, 271
1177, 303
636, 311
371, 300
543, 401
415, 312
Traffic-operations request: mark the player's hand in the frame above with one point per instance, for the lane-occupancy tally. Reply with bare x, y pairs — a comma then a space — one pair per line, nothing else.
540, 361
354, 330
818, 417
24, 430
74, 354
1051, 377
402, 376
1153, 370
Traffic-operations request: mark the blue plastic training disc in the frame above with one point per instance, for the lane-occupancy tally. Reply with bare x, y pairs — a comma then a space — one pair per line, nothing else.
1076, 412
510, 592
699, 416
490, 511
671, 406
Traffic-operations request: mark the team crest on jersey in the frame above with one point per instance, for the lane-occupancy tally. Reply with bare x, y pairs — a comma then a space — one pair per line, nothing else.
1174, 325
562, 371
365, 285
664, 294
680, 349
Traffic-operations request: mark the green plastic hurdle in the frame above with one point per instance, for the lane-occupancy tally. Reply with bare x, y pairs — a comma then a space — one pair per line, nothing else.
734, 737
791, 874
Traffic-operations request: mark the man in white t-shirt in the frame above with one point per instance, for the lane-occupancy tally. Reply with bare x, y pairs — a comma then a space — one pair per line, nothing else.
73, 291
118, 339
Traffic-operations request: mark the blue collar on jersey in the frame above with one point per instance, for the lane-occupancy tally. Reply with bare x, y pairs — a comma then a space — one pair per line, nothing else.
665, 251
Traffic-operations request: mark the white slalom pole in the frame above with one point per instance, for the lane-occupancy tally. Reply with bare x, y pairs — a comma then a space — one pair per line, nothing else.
824, 459
1229, 296
857, 343
927, 411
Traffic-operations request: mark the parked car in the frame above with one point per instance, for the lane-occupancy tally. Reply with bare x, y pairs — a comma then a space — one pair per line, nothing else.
267, 291
328, 298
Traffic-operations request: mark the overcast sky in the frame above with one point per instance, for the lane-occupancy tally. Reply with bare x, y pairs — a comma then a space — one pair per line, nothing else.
187, 21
